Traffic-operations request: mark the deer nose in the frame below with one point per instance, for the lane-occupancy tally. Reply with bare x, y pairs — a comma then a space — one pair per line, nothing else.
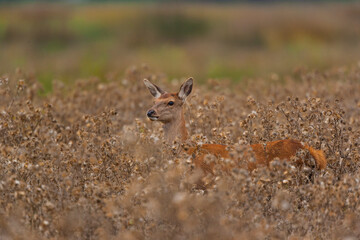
150, 113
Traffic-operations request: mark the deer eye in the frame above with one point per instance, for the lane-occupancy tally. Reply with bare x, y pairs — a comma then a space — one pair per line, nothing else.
170, 103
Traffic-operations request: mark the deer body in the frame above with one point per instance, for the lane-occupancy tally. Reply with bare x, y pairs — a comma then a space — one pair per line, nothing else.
168, 110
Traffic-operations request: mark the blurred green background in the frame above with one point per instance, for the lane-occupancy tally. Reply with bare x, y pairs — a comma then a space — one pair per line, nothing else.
68, 41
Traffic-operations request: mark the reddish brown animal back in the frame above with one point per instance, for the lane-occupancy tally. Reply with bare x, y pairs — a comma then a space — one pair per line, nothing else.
264, 154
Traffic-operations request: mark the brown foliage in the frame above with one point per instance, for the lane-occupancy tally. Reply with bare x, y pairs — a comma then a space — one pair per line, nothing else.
85, 163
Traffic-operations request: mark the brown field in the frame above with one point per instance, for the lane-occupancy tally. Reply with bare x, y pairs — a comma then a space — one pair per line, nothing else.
84, 162
80, 160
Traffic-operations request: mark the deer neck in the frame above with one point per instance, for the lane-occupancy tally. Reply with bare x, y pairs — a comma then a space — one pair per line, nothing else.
176, 128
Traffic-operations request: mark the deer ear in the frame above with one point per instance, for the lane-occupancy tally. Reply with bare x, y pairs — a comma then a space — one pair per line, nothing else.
154, 90
185, 89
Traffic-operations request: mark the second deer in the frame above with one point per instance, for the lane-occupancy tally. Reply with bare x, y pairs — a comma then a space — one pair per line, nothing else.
168, 109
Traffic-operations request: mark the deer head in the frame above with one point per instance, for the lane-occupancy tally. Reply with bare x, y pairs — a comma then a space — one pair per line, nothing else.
168, 109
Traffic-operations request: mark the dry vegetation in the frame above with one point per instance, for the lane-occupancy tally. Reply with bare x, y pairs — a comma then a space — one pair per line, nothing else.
85, 163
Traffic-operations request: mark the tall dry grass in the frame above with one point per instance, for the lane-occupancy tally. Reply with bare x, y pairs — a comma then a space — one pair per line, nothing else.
85, 163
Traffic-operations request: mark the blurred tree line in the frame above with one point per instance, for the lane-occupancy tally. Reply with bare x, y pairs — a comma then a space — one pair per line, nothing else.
83, 38
177, 1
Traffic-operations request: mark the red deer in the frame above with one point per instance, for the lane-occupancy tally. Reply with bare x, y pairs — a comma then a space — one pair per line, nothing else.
168, 109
